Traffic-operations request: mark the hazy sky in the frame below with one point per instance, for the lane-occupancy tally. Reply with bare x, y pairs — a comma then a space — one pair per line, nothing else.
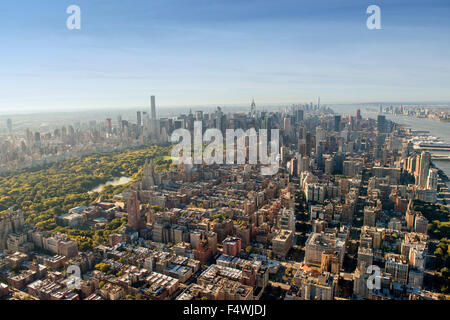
192, 52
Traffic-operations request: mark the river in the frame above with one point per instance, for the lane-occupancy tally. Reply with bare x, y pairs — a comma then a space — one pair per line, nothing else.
434, 127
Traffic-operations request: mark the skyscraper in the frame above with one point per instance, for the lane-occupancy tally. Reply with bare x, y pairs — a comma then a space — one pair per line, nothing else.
351, 122
424, 168
134, 217
381, 124
219, 116
287, 125
139, 118
299, 115
337, 123
109, 125
253, 108
148, 176
153, 105
9, 125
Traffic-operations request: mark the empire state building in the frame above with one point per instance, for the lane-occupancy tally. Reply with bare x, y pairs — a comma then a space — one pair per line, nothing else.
253, 108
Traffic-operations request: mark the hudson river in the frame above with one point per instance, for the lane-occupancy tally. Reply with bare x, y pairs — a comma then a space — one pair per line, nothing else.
434, 127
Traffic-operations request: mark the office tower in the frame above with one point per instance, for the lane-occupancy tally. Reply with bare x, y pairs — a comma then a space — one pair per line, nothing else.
303, 164
153, 105
424, 167
287, 125
318, 102
108, 125
153, 124
320, 135
219, 116
309, 143
199, 115
134, 217
302, 147
381, 124
302, 133
299, 115
351, 122
190, 120
9, 125
337, 123
267, 123
139, 118
283, 154
358, 114
293, 167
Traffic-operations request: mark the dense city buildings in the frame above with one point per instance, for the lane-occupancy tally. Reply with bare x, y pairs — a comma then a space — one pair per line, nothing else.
351, 195
22, 149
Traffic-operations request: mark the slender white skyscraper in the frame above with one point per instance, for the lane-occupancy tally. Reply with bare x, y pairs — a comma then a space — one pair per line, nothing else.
154, 123
153, 107
318, 102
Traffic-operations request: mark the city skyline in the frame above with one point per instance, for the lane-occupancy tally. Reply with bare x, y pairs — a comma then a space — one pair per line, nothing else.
120, 219
220, 157
221, 53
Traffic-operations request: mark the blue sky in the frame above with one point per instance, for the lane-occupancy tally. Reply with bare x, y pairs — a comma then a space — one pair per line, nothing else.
215, 52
